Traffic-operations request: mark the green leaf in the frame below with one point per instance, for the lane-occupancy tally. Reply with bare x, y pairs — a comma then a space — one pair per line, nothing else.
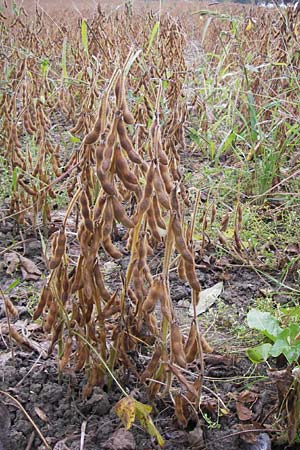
153, 33
12, 286
288, 343
84, 37
73, 139
264, 322
64, 59
259, 353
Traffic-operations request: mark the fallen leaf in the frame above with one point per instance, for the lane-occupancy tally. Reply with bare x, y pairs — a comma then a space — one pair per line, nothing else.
207, 298
29, 269
12, 261
40, 413
243, 412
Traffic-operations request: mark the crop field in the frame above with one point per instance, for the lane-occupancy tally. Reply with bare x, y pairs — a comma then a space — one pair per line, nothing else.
149, 226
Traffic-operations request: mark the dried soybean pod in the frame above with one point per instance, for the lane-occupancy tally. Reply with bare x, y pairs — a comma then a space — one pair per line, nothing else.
111, 249
142, 252
164, 171
127, 115
85, 211
224, 222
100, 283
146, 199
67, 353
51, 317
110, 142
152, 297
191, 343
165, 302
179, 240
213, 214
79, 125
152, 223
126, 144
177, 345
190, 272
11, 309
122, 167
45, 294
59, 249
159, 187
152, 365
107, 219
108, 186
99, 153
157, 213
120, 213
205, 345
98, 208
181, 269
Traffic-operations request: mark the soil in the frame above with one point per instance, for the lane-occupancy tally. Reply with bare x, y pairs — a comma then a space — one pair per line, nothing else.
67, 421
54, 401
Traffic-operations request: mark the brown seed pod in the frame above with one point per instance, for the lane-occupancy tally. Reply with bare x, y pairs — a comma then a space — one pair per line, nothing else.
146, 199
224, 222
59, 249
165, 303
120, 213
152, 223
44, 299
152, 365
100, 283
123, 169
99, 154
152, 297
159, 187
164, 171
127, 145
79, 125
190, 347
205, 345
213, 214
51, 317
127, 115
222, 238
177, 345
85, 211
67, 353
157, 213
190, 272
111, 249
110, 142
179, 240
181, 269
108, 186
11, 309
98, 208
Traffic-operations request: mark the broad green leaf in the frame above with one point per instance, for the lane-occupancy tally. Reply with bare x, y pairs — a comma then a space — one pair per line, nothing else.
64, 59
84, 37
264, 322
259, 353
153, 33
288, 343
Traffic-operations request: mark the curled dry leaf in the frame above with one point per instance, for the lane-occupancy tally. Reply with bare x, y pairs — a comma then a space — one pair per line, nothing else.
28, 268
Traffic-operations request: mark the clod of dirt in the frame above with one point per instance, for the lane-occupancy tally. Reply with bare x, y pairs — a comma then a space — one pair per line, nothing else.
195, 437
97, 404
121, 440
263, 442
4, 425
